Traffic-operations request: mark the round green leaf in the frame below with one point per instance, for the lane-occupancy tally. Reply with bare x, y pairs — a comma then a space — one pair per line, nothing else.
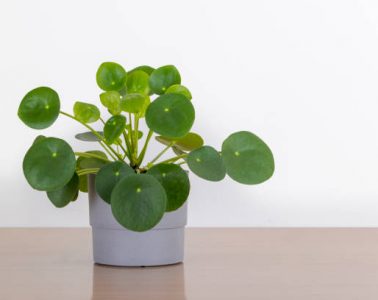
86, 112
189, 142
146, 69
108, 176
113, 128
138, 202
207, 163
39, 108
49, 164
90, 162
247, 158
83, 183
162, 78
38, 139
89, 136
135, 103
175, 182
170, 115
179, 89
111, 76
112, 101
137, 82
61, 197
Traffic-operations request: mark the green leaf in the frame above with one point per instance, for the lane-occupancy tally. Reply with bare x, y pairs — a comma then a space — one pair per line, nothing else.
83, 183
38, 139
170, 115
66, 194
49, 164
138, 202
177, 151
135, 103
108, 176
89, 136
113, 128
111, 76
146, 69
162, 78
137, 82
206, 163
86, 112
39, 108
112, 101
175, 182
179, 89
90, 162
247, 158
140, 133
189, 142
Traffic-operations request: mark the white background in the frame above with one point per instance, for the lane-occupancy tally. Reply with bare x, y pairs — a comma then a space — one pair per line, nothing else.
303, 75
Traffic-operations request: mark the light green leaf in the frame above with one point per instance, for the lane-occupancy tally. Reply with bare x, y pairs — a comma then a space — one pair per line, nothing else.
113, 128
146, 69
111, 76
112, 101
135, 103
179, 89
137, 82
189, 142
86, 112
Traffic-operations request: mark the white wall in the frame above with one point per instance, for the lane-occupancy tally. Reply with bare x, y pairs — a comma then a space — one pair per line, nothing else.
301, 74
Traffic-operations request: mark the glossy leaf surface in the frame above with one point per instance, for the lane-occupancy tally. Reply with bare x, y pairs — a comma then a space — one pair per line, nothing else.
138, 82
189, 142
112, 101
113, 128
86, 112
146, 69
162, 78
66, 194
111, 76
135, 103
179, 89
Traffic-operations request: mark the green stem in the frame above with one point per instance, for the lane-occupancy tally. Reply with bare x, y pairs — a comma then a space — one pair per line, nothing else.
91, 155
87, 171
181, 163
144, 149
173, 159
161, 153
94, 132
103, 122
107, 151
128, 146
136, 135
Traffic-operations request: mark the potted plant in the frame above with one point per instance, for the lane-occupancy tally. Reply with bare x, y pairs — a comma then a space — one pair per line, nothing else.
137, 209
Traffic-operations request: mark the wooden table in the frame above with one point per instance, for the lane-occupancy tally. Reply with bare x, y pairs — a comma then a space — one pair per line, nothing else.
230, 264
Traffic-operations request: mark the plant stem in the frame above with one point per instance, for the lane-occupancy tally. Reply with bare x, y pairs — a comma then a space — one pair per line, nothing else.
144, 149
87, 171
107, 151
136, 137
128, 146
103, 122
161, 153
94, 132
181, 163
173, 159
91, 155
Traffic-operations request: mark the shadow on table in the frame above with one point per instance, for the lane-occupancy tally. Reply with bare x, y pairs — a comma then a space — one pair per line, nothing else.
166, 282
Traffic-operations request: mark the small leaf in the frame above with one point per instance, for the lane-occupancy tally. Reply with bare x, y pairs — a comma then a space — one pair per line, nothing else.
137, 82
206, 163
170, 115
112, 101
39, 108
175, 182
189, 142
177, 151
66, 194
86, 112
138, 202
247, 158
38, 139
113, 128
162, 78
111, 76
146, 69
49, 164
83, 183
91, 162
108, 176
89, 136
179, 89
135, 103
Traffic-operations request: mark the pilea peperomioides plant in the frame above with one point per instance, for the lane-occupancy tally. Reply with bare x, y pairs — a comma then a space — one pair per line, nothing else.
139, 193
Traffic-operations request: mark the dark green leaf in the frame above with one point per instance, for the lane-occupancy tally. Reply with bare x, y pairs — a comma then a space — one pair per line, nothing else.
39, 108
111, 76
38, 139
247, 158
112, 101
89, 136
137, 82
49, 164
189, 142
138, 202
175, 182
162, 78
179, 89
113, 128
86, 112
83, 183
66, 194
206, 163
108, 176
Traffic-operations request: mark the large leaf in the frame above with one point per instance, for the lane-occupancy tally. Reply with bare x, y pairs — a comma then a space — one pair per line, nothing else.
112, 101
89, 136
135, 103
162, 78
111, 76
206, 163
49, 164
91, 162
189, 142
86, 112
137, 82
247, 158
175, 182
170, 115
108, 176
66, 194
113, 128
39, 108
138, 202
179, 89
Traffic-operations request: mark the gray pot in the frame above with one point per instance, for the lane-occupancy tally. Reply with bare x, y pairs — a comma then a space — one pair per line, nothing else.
117, 246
